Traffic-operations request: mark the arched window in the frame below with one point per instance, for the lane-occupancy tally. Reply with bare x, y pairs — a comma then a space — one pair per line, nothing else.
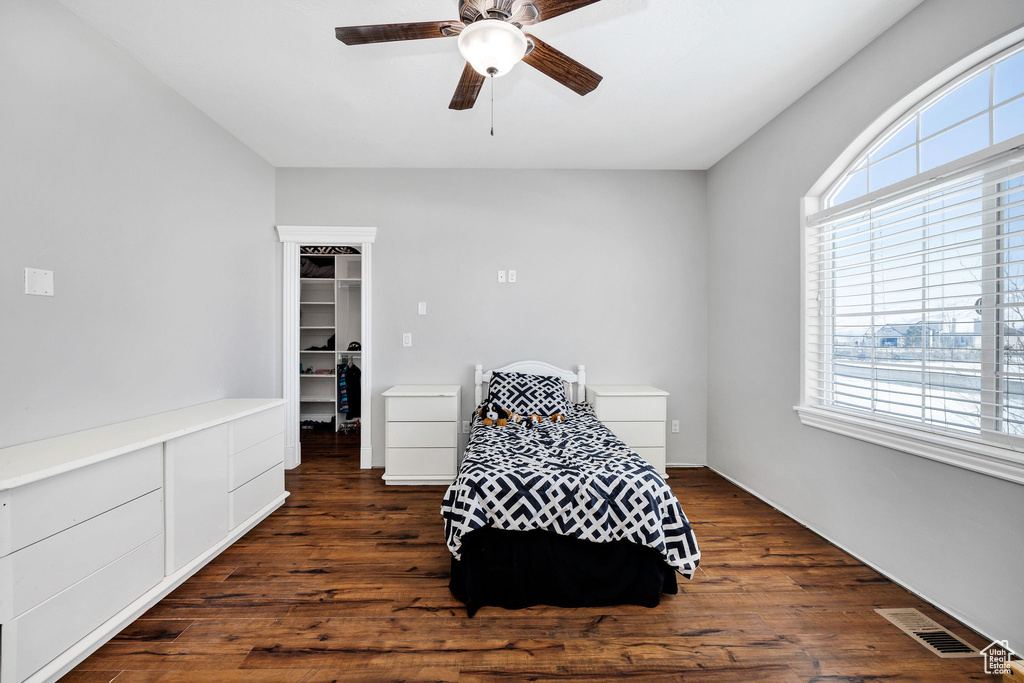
914, 285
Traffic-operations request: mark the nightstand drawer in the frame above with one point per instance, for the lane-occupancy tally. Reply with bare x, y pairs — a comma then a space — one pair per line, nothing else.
639, 434
421, 435
423, 461
654, 455
422, 408
630, 408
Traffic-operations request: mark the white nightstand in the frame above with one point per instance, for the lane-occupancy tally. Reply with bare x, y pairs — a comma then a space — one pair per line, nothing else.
421, 433
635, 414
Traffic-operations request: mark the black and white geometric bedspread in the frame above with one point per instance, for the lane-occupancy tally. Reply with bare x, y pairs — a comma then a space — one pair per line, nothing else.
574, 478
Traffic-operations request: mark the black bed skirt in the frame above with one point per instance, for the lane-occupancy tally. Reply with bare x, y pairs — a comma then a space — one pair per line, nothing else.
516, 569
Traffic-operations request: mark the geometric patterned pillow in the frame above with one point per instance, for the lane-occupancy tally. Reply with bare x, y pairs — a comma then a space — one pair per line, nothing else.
527, 394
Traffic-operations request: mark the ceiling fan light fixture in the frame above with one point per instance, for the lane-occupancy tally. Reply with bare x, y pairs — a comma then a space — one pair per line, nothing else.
492, 47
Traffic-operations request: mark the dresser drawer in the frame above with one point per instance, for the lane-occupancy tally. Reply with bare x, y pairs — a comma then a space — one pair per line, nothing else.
249, 498
32, 512
630, 408
42, 633
422, 435
255, 460
422, 408
40, 571
248, 431
639, 434
423, 461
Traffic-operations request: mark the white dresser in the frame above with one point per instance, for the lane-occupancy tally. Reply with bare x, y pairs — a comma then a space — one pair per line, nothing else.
635, 414
422, 433
97, 526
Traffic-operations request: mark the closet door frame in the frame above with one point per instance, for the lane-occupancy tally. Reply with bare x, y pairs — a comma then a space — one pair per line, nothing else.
292, 237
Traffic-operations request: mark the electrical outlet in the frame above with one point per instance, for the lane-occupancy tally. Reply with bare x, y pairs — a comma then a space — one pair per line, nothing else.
675, 426
407, 339
501, 276
511, 276
465, 426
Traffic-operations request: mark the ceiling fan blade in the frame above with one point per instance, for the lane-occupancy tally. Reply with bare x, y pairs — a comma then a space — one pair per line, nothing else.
561, 67
549, 9
384, 33
468, 89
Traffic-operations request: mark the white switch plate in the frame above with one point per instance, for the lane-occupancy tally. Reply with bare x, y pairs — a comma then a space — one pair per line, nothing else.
465, 426
501, 276
407, 339
675, 426
39, 282
511, 276
421, 308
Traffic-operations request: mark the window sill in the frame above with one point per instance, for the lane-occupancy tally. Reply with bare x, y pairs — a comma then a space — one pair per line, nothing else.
988, 459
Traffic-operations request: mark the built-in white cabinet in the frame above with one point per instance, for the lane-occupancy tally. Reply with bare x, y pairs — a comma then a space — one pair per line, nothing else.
635, 414
97, 526
330, 305
421, 434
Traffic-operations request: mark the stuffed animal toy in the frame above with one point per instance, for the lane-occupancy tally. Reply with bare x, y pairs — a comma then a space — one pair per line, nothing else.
494, 415
535, 419
558, 417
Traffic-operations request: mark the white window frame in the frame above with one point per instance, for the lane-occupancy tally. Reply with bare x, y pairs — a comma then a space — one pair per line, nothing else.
961, 451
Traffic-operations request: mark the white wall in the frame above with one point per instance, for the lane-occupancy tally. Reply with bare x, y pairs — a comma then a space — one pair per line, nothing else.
952, 536
157, 224
611, 267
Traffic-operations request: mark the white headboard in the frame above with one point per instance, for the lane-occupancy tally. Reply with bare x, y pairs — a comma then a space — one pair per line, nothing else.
535, 367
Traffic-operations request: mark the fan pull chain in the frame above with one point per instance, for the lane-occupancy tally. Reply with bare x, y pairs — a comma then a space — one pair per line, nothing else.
492, 106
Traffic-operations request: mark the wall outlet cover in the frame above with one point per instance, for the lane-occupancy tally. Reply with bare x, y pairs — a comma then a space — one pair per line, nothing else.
38, 282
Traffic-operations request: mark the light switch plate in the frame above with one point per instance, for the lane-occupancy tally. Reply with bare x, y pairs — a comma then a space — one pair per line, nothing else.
675, 426
407, 339
501, 276
39, 282
421, 308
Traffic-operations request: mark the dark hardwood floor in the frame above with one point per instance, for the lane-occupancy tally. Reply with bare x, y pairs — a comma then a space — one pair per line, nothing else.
348, 582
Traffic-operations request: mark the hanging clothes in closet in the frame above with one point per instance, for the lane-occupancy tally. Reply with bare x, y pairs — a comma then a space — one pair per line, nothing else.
352, 384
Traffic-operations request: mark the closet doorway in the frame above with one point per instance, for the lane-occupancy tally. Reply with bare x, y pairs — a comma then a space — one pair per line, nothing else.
324, 311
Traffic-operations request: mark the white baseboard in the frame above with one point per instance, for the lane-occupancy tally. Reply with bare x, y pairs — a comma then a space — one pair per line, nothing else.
903, 584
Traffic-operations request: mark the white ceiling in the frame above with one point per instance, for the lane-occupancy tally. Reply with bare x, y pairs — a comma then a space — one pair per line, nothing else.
685, 81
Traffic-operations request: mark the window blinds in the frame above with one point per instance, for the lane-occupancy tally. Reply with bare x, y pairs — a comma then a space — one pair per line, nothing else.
915, 309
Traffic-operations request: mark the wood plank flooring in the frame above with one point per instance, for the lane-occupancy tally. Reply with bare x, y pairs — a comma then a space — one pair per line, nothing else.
348, 582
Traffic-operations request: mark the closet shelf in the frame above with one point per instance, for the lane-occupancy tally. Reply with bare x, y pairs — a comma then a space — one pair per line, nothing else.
311, 351
316, 374
316, 303
317, 399
349, 281
316, 327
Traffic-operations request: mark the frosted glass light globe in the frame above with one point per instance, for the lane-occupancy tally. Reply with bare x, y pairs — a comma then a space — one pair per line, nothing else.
492, 47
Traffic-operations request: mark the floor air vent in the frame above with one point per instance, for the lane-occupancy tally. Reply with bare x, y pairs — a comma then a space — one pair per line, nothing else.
928, 633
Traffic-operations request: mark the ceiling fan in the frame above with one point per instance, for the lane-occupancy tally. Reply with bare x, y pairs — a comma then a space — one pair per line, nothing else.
492, 40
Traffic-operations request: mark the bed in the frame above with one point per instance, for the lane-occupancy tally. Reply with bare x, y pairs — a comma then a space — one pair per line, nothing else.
549, 507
